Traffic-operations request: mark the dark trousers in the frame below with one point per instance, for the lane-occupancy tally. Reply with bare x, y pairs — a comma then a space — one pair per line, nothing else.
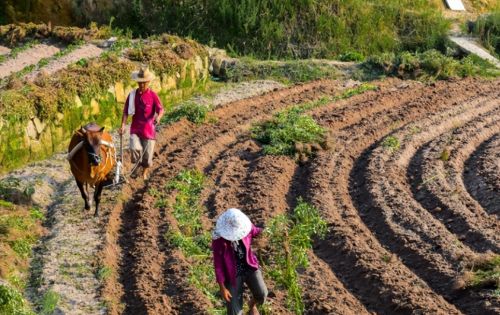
255, 283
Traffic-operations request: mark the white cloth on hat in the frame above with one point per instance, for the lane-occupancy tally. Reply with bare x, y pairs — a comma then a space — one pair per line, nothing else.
233, 225
131, 102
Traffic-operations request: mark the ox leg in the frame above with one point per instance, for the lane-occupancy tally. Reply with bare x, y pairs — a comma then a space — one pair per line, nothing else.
84, 194
97, 197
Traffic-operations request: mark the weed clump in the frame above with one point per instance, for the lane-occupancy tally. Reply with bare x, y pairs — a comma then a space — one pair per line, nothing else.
290, 132
291, 238
292, 71
481, 272
12, 302
193, 112
391, 143
487, 27
428, 65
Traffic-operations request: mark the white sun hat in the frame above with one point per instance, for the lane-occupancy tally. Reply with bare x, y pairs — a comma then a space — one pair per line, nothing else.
143, 75
233, 225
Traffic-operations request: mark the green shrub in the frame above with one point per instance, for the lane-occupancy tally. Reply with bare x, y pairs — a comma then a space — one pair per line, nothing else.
12, 302
290, 240
280, 135
487, 28
352, 56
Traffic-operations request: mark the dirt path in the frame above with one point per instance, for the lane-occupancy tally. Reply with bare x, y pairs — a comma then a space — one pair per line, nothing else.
84, 52
28, 57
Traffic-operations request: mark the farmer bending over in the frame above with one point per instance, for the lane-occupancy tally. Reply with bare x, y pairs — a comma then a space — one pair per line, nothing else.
146, 110
235, 263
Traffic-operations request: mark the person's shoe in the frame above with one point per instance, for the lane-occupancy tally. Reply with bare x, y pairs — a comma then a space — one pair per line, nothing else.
145, 173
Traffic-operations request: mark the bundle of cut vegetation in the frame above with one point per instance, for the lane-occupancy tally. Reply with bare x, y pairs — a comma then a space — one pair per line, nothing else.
298, 29
487, 28
13, 34
481, 272
20, 228
290, 132
428, 65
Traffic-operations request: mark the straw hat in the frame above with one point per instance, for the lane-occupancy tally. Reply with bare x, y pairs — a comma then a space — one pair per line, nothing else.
143, 75
233, 225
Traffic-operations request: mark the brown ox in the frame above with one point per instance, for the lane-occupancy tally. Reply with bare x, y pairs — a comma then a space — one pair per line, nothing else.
91, 157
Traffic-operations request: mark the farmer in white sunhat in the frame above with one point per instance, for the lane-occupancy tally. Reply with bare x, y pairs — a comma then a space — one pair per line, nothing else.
234, 262
146, 110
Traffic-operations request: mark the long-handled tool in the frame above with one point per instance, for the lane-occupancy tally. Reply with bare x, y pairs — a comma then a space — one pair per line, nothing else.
119, 163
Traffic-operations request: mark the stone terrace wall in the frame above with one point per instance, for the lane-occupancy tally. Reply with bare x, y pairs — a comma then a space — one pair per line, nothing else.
34, 138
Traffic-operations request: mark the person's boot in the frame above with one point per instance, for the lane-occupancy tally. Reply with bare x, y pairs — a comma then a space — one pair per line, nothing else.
145, 173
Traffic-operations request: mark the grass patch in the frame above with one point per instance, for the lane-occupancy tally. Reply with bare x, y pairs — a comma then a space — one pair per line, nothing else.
487, 27
288, 72
49, 302
193, 112
427, 66
12, 302
483, 272
391, 143
290, 240
189, 236
104, 273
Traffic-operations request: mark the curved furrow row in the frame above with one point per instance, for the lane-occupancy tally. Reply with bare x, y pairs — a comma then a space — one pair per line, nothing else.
440, 165
149, 293
351, 243
481, 175
424, 243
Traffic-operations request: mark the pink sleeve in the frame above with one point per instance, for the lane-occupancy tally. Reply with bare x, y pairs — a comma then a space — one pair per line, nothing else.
255, 230
158, 105
218, 261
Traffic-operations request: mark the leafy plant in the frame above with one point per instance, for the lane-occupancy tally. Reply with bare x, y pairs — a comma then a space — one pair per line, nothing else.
12, 302
280, 135
49, 302
290, 240
391, 143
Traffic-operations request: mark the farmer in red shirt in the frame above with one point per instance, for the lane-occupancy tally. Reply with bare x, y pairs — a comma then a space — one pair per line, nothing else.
146, 110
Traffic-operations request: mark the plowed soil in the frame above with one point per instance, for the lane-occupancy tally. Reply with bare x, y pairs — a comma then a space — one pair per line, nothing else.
403, 221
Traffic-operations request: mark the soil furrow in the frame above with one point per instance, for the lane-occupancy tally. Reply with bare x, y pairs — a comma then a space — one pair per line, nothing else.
481, 175
399, 222
28, 57
445, 195
350, 243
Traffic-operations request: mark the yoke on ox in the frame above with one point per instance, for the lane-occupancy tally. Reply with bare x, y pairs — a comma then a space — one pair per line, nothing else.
91, 156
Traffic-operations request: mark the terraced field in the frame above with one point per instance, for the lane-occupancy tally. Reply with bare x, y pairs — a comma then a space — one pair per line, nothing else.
409, 190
